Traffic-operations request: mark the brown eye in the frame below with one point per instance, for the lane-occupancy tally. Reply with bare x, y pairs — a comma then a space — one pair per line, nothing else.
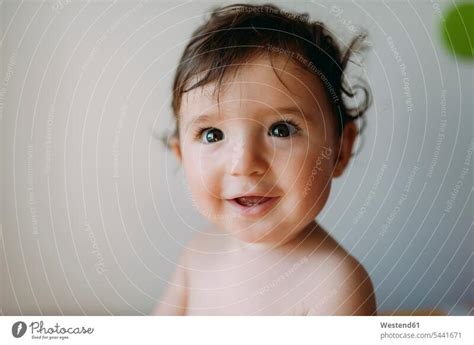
282, 129
211, 135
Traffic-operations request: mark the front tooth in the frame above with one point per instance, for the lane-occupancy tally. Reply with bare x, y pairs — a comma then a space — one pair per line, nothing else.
249, 200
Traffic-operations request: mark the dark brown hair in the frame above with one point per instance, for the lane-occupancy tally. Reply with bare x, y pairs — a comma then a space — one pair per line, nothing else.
234, 34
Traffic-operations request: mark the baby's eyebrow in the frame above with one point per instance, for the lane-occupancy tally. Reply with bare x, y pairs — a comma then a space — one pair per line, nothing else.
291, 110
206, 118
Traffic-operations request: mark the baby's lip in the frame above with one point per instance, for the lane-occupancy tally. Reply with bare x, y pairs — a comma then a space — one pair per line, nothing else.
254, 195
256, 208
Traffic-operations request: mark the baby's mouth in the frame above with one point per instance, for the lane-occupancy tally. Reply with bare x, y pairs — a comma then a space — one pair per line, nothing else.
249, 201
253, 205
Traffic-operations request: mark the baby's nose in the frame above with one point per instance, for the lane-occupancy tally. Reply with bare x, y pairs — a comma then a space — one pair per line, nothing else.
247, 158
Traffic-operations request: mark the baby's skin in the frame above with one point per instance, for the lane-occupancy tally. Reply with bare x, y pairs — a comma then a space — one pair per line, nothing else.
272, 134
309, 275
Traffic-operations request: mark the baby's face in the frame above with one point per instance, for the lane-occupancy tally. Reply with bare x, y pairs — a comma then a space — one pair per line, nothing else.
260, 162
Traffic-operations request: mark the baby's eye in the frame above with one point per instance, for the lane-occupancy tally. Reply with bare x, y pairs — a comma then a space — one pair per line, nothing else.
211, 135
283, 129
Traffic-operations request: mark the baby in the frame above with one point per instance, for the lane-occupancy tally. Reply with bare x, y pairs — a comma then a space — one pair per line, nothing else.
262, 129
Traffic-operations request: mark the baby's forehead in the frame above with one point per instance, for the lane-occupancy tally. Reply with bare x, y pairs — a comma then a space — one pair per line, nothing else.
271, 82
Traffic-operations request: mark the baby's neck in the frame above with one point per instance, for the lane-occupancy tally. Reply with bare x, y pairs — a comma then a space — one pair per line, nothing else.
297, 239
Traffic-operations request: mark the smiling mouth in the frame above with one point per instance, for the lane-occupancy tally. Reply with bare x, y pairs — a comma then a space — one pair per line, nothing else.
253, 205
249, 201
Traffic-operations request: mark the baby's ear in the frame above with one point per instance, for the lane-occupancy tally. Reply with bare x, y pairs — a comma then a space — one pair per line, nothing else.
344, 148
175, 147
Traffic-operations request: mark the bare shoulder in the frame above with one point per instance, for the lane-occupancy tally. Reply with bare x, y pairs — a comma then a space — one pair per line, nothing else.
174, 300
341, 285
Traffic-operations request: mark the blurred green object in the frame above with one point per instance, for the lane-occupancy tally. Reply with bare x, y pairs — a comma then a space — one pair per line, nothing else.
458, 30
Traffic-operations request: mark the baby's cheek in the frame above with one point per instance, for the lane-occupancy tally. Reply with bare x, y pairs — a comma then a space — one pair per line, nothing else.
203, 184
313, 182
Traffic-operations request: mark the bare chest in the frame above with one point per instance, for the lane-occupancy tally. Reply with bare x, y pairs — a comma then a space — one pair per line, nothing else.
230, 287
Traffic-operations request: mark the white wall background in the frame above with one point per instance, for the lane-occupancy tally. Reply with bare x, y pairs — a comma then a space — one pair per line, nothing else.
94, 211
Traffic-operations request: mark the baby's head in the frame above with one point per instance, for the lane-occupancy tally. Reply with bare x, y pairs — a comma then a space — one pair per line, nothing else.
262, 125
